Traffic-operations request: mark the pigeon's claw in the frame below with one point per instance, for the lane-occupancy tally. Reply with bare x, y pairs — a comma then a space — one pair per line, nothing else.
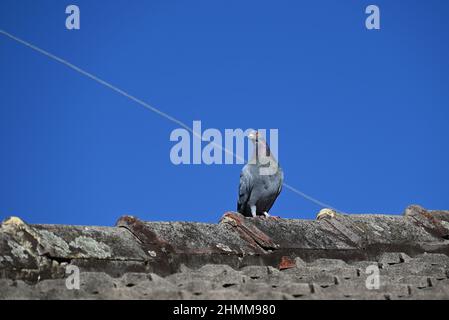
326, 214
264, 215
267, 216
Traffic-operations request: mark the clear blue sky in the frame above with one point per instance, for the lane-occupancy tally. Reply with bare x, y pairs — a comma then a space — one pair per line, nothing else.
362, 115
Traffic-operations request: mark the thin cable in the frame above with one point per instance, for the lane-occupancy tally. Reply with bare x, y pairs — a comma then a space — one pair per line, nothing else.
311, 199
114, 88
147, 106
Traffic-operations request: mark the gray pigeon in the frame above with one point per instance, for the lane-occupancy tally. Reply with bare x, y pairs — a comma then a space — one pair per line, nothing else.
260, 180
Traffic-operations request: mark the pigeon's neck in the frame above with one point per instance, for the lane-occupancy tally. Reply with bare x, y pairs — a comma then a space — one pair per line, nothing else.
262, 153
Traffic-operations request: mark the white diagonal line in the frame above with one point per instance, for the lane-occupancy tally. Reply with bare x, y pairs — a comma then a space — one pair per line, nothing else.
114, 88
89, 75
147, 106
311, 199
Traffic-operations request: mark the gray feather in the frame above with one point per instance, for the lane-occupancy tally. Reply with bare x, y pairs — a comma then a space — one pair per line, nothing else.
258, 190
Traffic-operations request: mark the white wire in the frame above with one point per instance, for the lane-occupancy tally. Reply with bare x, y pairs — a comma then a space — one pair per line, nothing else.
147, 106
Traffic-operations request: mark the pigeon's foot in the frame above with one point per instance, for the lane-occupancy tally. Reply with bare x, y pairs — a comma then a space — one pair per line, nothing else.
267, 216
326, 214
253, 211
271, 217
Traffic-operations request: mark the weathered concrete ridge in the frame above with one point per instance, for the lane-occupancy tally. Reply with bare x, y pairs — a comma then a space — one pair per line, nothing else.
238, 254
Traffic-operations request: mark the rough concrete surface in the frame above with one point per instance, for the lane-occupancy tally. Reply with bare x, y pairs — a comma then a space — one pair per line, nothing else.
336, 257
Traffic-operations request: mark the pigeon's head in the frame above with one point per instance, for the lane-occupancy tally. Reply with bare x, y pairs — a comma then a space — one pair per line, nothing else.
253, 136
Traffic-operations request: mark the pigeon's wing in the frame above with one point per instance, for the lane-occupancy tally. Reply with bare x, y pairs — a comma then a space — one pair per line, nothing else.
276, 190
281, 179
245, 188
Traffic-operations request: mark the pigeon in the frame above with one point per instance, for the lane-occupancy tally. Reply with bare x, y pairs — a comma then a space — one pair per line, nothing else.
260, 180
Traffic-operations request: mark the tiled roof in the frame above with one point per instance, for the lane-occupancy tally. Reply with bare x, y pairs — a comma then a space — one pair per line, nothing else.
238, 258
